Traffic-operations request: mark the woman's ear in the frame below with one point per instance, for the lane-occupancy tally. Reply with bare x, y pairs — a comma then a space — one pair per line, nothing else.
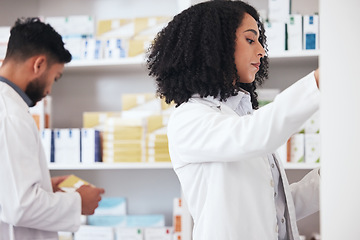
40, 64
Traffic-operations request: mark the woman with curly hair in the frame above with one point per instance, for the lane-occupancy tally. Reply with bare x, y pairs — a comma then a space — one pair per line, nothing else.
209, 60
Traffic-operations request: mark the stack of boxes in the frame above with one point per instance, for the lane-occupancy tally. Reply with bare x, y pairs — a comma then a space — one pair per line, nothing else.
128, 37
156, 140
88, 39
78, 33
136, 134
154, 114
304, 146
123, 140
289, 31
111, 220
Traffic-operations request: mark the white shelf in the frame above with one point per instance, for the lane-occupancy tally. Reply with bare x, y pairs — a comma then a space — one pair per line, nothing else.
294, 54
139, 61
109, 166
300, 166
157, 165
106, 64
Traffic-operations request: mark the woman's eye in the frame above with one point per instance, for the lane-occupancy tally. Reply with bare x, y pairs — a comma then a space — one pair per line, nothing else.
250, 40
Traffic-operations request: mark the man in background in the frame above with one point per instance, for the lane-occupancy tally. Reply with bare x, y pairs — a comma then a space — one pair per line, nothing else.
31, 207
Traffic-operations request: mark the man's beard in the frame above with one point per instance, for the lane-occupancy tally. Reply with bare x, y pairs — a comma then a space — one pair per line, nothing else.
35, 90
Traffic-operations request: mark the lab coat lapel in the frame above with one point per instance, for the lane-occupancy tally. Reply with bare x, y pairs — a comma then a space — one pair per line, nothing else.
291, 218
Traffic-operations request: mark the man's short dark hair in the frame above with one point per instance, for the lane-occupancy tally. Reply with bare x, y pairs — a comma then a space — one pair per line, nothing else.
30, 37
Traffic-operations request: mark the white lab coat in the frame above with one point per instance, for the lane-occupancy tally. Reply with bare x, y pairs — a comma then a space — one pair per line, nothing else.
221, 162
28, 207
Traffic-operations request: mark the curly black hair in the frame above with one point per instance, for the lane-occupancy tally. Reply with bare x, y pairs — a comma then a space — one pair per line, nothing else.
194, 53
30, 36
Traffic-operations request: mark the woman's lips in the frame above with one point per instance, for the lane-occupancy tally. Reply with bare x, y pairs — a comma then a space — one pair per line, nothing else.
256, 65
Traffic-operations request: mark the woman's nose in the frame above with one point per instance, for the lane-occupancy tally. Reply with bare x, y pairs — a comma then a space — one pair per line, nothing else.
261, 50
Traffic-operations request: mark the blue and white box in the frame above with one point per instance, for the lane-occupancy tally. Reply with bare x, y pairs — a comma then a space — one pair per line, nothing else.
151, 220
311, 32
90, 146
92, 49
111, 206
67, 145
107, 221
139, 221
115, 48
47, 140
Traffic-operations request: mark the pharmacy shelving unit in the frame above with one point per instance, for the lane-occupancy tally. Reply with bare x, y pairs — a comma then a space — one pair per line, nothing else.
108, 172
98, 86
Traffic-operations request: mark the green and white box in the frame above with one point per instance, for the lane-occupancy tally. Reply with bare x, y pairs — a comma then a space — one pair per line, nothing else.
312, 148
297, 148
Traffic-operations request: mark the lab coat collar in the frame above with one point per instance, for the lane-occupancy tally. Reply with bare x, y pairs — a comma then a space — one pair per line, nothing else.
231, 102
17, 89
15, 94
234, 101
209, 100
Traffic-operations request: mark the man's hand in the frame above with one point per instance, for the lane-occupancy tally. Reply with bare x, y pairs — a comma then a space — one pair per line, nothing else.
90, 198
55, 181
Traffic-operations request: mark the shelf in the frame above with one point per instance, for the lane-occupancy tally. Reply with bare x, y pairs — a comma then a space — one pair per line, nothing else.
294, 57
139, 61
158, 165
106, 64
294, 54
300, 166
109, 166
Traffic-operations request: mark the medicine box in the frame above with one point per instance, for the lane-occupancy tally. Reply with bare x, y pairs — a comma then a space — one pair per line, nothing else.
294, 32
312, 148
90, 146
297, 148
311, 32
161, 233
47, 140
67, 146
111, 206
129, 233
87, 232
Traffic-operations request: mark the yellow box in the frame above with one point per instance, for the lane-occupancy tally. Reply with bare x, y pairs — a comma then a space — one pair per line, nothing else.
120, 27
130, 101
159, 158
72, 183
122, 144
93, 119
114, 159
